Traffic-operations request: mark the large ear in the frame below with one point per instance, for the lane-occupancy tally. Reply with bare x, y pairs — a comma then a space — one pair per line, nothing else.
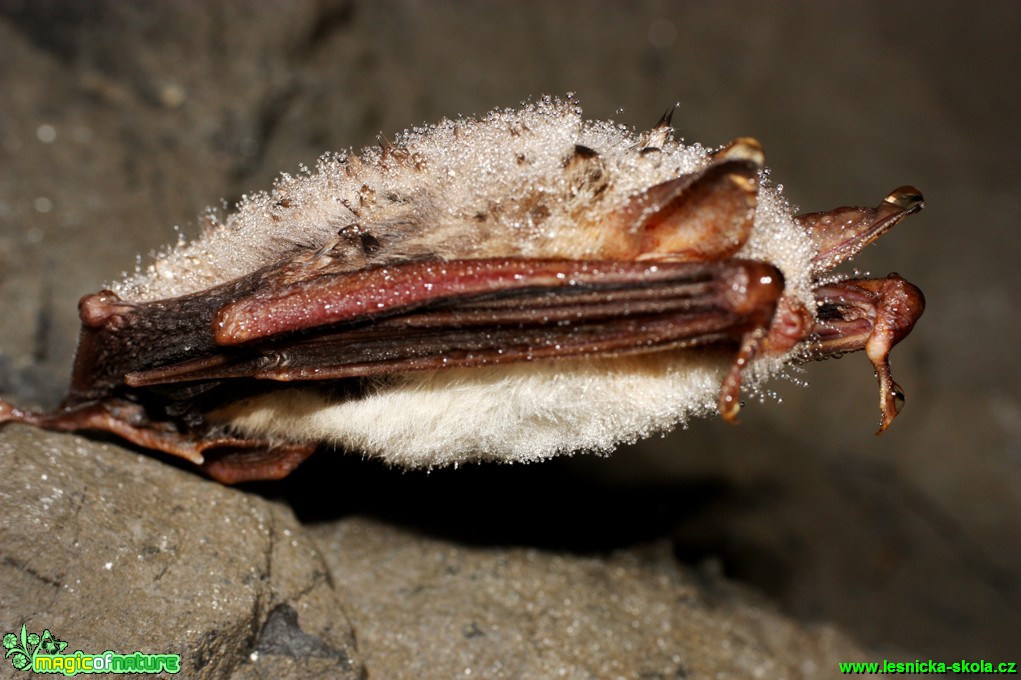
839, 234
699, 217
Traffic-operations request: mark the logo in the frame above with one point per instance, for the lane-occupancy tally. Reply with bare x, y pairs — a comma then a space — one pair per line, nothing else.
45, 654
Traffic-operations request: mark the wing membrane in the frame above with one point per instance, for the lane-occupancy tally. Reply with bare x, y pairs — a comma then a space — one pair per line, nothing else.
479, 312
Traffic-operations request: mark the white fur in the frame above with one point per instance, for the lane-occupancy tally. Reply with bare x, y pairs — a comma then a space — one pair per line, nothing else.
519, 412
514, 413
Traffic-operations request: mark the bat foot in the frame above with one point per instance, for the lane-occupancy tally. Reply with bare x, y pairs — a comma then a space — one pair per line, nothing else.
9, 413
226, 459
869, 314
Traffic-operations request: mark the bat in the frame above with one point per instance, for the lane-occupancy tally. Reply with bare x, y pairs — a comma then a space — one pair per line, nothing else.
513, 287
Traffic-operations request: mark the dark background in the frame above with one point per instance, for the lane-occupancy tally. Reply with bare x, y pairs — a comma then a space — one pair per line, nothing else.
120, 120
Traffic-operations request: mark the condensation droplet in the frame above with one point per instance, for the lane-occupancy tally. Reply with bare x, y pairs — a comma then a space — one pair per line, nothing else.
46, 133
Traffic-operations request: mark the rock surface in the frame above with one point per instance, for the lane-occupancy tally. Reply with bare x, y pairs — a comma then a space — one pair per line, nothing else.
529, 613
111, 549
120, 120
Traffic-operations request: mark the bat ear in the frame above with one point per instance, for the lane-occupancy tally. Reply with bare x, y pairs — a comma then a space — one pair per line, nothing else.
703, 216
839, 234
659, 134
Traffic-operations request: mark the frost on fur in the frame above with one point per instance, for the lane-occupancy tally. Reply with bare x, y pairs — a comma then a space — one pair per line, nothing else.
462, 188
504, 177
510, 288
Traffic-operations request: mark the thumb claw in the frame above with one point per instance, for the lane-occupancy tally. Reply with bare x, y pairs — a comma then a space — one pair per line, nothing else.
891, 396
730, 391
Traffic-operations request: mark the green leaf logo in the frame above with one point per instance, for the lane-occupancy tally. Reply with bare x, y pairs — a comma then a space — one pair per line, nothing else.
21, 650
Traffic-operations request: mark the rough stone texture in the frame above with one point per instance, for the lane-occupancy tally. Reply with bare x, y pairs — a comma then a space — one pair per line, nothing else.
119, 120
528, 613
110, 549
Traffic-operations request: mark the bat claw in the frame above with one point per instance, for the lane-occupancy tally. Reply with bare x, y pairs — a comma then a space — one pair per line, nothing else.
743, 149
891, 397
907, 198
730, 392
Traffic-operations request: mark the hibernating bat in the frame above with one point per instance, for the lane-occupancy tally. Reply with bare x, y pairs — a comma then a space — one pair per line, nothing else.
509, 288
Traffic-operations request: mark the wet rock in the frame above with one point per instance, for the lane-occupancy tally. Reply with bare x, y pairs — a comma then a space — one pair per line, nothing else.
426, 607
112, 550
